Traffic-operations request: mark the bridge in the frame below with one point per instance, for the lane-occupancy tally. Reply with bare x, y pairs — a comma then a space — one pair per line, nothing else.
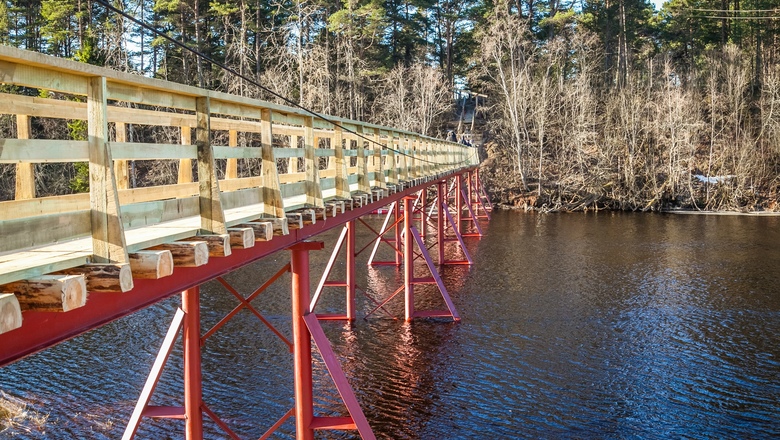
70, 263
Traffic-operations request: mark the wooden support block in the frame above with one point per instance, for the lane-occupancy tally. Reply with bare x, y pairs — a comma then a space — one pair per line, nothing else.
105, 277
334, 208
294, 220
186, 253
151, 265
281, 226
242, 237
362, 199
218, 244
10, 313
309, 216
262, 230
322, 213
49, 293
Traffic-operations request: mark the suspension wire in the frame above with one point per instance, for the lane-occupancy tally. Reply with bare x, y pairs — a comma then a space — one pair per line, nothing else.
208, 59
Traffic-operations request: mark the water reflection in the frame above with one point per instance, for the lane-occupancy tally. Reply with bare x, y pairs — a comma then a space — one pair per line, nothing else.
576, 326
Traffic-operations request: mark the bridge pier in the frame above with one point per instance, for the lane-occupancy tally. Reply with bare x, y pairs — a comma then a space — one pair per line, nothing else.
304, 401
193, 381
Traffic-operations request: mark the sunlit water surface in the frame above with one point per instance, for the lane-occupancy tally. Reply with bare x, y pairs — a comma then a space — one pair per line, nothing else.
574, 326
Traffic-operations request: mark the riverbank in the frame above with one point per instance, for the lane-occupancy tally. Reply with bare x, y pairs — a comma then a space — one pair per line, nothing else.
747, 213
609, 188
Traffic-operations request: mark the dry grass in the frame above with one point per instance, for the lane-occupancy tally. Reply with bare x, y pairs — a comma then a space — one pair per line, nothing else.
14, 415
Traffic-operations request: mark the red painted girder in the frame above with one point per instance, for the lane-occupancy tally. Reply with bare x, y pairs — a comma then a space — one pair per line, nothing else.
41, 330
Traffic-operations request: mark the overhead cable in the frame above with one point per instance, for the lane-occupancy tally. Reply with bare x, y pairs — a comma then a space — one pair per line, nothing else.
260, 86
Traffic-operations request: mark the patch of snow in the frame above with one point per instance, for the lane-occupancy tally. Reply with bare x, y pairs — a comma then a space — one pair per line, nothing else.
714, 179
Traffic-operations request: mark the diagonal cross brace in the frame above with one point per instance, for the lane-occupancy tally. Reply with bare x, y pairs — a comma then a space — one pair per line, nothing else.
154, 375
339, 379
437, 278
245, 302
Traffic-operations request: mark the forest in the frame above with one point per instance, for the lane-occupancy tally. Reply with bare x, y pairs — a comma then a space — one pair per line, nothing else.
589, 104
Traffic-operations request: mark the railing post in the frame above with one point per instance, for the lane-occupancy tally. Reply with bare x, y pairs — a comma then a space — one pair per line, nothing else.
272, 194
108, 236
363, 184
340, 164
231, 167
379, 169
413, 158
25, 175
451, 157
185, 165
292, 163
212, 218
392, 177
120, 166
429, 167
404, 159
311, 163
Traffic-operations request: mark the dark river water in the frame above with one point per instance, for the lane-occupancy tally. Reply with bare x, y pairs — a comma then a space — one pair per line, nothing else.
573, 326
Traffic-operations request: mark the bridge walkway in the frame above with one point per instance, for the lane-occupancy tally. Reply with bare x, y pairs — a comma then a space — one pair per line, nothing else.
236, 173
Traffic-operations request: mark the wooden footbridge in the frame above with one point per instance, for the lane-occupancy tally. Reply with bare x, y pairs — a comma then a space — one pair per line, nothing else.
72, 262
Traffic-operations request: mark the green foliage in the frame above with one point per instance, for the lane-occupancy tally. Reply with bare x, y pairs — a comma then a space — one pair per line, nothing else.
77, 130
4, 23
222, 9
57, 28
365, 21
80, 182
166, 5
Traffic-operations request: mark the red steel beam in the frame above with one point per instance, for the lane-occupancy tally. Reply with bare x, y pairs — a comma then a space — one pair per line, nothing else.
193, 386
41, 330
302, 368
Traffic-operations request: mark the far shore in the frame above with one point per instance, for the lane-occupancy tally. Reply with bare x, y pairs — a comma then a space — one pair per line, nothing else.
749, 213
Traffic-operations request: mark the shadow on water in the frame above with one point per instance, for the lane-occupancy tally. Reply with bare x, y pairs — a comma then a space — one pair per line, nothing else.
574, 326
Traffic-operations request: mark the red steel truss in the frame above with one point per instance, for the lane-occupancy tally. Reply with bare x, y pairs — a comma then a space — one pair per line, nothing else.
408, 244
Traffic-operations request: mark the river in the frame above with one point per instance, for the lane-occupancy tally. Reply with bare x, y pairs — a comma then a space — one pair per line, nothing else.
598, 325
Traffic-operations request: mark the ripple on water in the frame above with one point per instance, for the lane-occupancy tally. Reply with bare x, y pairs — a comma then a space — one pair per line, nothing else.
574, 326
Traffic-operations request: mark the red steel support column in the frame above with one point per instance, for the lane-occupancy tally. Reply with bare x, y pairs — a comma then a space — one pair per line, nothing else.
304, 403
423, 203
458, 200
351, 270
408, 260
193, 391
397, 241
442, 201
469, 181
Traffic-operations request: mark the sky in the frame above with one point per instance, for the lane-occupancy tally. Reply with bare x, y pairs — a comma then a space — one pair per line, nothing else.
658, 4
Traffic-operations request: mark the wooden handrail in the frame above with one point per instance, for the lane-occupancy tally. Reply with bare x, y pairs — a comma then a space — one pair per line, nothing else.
392, 156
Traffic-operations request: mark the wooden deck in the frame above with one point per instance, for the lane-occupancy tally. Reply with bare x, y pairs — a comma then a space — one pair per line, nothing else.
53, 250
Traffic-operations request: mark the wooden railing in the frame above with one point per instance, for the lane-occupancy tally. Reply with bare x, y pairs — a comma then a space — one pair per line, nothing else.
117, 219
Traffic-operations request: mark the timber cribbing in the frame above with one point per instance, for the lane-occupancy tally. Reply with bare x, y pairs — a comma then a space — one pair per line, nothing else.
131, 247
